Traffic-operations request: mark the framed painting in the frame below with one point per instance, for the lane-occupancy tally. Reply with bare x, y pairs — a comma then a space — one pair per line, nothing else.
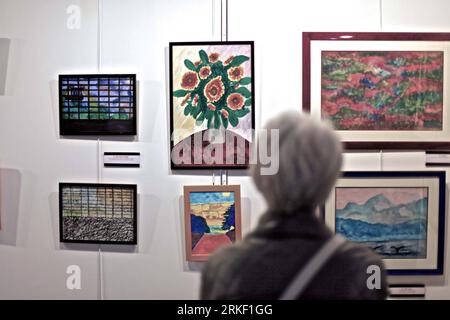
400, 215
212, 216
97, 104
212, 114
380, 90
98, 213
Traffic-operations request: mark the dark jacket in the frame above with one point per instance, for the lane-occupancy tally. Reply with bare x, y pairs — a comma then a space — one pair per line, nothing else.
263, 264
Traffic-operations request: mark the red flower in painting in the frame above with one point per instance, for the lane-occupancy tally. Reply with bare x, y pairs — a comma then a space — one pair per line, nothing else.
360, 107
370, 93
213, 57
236, 74
373, 61
204, 72
328, 95
228, 60
235, 101
211, 107
224, 113
433, 108
214, 90
197, 63
356, 77
189, 81
354, 122
330, 109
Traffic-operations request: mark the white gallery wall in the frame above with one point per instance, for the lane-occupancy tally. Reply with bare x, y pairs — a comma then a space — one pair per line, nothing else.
132, 37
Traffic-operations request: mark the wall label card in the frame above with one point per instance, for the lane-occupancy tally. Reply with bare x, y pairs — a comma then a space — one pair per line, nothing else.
122, 159
407, 291
437, 158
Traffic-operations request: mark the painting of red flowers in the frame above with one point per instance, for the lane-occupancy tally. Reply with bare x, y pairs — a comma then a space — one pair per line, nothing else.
383, 90
212, 89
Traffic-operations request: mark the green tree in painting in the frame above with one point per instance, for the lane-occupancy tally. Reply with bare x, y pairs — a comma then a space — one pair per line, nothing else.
228, 222
215, 91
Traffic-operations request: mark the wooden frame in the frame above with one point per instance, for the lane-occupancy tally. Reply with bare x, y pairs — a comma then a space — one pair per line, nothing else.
130, 187
422, 256
216, 114
418, 140
236, 189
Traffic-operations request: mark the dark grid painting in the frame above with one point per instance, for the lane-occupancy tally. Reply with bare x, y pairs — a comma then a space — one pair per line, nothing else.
97, 104
98, 213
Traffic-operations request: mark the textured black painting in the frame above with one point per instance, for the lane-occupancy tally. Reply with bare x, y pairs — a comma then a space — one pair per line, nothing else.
98, 213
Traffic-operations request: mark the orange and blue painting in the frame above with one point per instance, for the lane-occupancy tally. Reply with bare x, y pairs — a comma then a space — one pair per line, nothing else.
213, 221
383, 90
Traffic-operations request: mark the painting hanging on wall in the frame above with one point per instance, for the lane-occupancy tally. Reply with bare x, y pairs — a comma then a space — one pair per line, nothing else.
97, 104
211, 104
400, 215
98, 213
212, 219
379, 90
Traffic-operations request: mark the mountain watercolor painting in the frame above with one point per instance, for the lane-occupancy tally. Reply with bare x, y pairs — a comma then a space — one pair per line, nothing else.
392, 221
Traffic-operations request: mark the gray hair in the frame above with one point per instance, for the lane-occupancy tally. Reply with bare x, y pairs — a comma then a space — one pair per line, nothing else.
310, 159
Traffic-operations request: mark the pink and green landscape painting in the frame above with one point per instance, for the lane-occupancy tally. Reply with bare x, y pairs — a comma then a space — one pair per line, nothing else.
383, 90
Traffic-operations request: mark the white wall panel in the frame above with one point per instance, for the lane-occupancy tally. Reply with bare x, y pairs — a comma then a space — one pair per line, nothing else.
134, 38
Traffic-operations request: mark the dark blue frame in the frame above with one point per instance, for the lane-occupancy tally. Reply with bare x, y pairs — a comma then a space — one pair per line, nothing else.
439, 270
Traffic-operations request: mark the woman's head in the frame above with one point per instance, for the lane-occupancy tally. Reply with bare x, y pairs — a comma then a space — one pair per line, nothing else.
310, 158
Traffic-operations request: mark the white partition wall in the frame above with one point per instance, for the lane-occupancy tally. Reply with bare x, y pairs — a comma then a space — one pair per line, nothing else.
132, 37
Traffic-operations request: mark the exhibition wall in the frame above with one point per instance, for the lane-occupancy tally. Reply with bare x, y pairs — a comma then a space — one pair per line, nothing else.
117, 36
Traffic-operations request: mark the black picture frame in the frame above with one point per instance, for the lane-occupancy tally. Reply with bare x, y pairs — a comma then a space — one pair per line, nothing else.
132, 187
97, 127
441, 176
174, 166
